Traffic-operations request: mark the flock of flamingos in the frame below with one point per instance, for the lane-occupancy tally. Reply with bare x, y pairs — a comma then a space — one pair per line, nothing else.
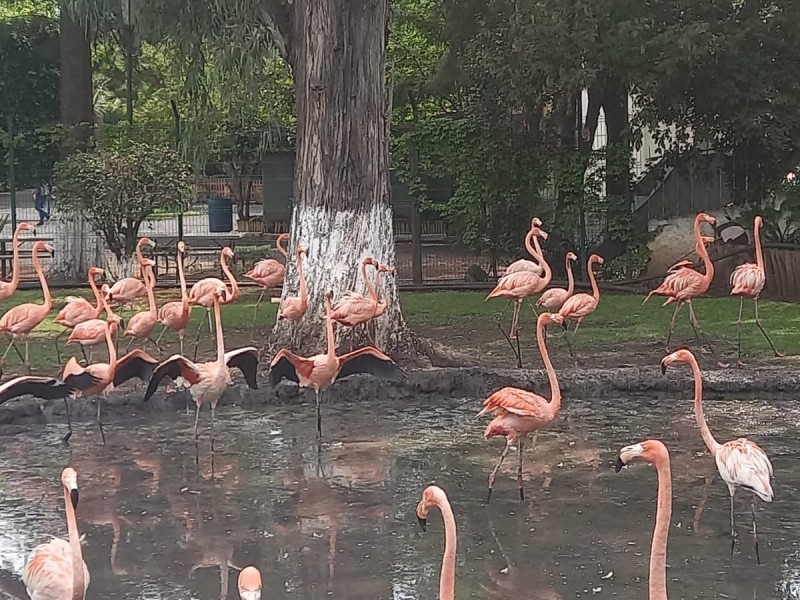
56, 570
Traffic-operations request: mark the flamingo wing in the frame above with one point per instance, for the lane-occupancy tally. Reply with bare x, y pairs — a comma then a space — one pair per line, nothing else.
48, 572
515, 401
288, 365
175, 366
246, 360
135, 363
45, 388
372, 361
744, 464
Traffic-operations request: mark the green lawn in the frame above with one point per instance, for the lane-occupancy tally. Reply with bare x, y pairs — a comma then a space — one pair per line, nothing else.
621, 325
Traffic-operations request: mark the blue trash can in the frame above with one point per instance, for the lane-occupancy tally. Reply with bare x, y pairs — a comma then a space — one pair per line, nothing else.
220, 215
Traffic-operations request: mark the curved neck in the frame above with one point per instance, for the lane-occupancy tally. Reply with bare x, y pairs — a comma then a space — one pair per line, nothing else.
331, 351
703, 252
699, 416
757, 242
106, 306
98, 300
282, 249
112, 348
447, 578
302, 276
182, 277
537, 252
48, 301
555, 391
139, 252
220, 339
223, 263
381, 289
658, 548
570, 278
78, 583
593, 281
15, 267
531, 250
150, 283
370, 287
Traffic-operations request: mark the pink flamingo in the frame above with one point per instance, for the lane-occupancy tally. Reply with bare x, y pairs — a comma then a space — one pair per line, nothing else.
175, 315
202, 292
354, 309
91, 333
655, 453
684, 284
382, 305
78, 310
249, 584
126, 291
294, 307
434, 496
269, 273
56, 570
208, 380
748, 281
141, 325
7, 289
524, 264
553, 298
518, 412
740, 462
20, 320
578, 307
112, 374
321, 370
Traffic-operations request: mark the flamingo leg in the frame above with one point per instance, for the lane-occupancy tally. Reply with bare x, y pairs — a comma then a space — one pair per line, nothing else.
516, 350
733, 522
739, 332
197, 337
27, 361
100, 422
755, 532
493, 474
213, 412
521, 445
83, 351
180, 341
160, 335
566, 337
196, 448
58, 352
255, 311
696, 326
319, 415
128, 349
155, 343
672, 323
533, 308
515, 319
758, 324
65, 439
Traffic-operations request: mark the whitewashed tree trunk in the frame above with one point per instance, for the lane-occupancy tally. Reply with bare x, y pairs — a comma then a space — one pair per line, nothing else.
76, 248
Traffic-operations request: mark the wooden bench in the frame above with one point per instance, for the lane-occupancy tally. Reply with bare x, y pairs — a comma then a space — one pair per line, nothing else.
165, 252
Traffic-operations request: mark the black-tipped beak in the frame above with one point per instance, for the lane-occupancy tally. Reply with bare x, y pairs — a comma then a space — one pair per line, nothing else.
619, 465
423, 523
73, 496
122, 323
564, 324
663, 368
34, 231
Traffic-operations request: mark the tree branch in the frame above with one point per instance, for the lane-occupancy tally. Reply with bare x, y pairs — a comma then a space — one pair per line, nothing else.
278, 15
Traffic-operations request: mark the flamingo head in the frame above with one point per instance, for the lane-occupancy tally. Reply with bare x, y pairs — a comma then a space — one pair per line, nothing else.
370, 261
646, 451
432, 496
227, 253
40, 245
249, 584
95, 271
758, 222
181, 247
572, 256
282, 238
536, 222
682, 355
540, 233
69, 479
25, 226
386, 269
550, 318
707, 218
301, 250
329, 297
145, 241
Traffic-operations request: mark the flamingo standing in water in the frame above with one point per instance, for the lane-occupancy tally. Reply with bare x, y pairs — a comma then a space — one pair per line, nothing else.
141, 325
92, 332
553, 298
269, 273
748, 281
79, 310
207, 381
655, 453
249, 584
578, 307
126, 291
56, 570
175, 315
294, 307
321, 370
434, 496
518, 412
7, 288
740, 462
20, 320
354, 309
202, 292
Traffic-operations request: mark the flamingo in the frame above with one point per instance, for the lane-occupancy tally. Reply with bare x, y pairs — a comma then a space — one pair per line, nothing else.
294, 307
748, 281
578, 307
684, 284
7, 288
518, 412
249, 584
524, 264
141, 325
92, 332
321, 370
202, 292
47, 388
354, 309
655, 453
20, 320
56, 570
175, 315
208, 380
79, 310
740, 462
434, 496
269, 273
126, 291
114, 373
553, 298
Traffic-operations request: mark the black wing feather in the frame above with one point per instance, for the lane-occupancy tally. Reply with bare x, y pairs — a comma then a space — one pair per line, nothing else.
283, 369
246, 360
170, 368
371, 364
135, 366
81, 381
45, 388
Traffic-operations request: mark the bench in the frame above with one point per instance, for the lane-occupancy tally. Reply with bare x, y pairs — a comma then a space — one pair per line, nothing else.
200, 250
7, 253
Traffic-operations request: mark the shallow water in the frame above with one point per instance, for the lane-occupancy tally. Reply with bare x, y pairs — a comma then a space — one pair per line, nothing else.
341, 523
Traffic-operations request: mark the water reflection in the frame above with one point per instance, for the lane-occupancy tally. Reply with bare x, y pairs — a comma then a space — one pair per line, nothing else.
341, 524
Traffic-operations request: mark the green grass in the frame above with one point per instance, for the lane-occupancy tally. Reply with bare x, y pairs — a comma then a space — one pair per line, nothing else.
620, 323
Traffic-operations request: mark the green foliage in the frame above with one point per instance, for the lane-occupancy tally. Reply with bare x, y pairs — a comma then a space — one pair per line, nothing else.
116, 189
780, 212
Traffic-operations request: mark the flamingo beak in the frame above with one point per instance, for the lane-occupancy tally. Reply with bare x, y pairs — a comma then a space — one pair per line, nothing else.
619, 465
73, 497
663, 368
423, 523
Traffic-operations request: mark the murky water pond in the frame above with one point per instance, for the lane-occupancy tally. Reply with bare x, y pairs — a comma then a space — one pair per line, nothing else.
341, 523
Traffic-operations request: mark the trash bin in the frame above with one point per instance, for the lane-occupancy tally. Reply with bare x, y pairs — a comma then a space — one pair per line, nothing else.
220, 215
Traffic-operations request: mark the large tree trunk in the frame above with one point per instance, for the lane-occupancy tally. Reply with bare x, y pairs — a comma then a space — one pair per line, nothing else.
341, 185
76, 245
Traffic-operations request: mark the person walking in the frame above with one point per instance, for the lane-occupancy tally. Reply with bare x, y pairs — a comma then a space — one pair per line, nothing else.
40, 201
